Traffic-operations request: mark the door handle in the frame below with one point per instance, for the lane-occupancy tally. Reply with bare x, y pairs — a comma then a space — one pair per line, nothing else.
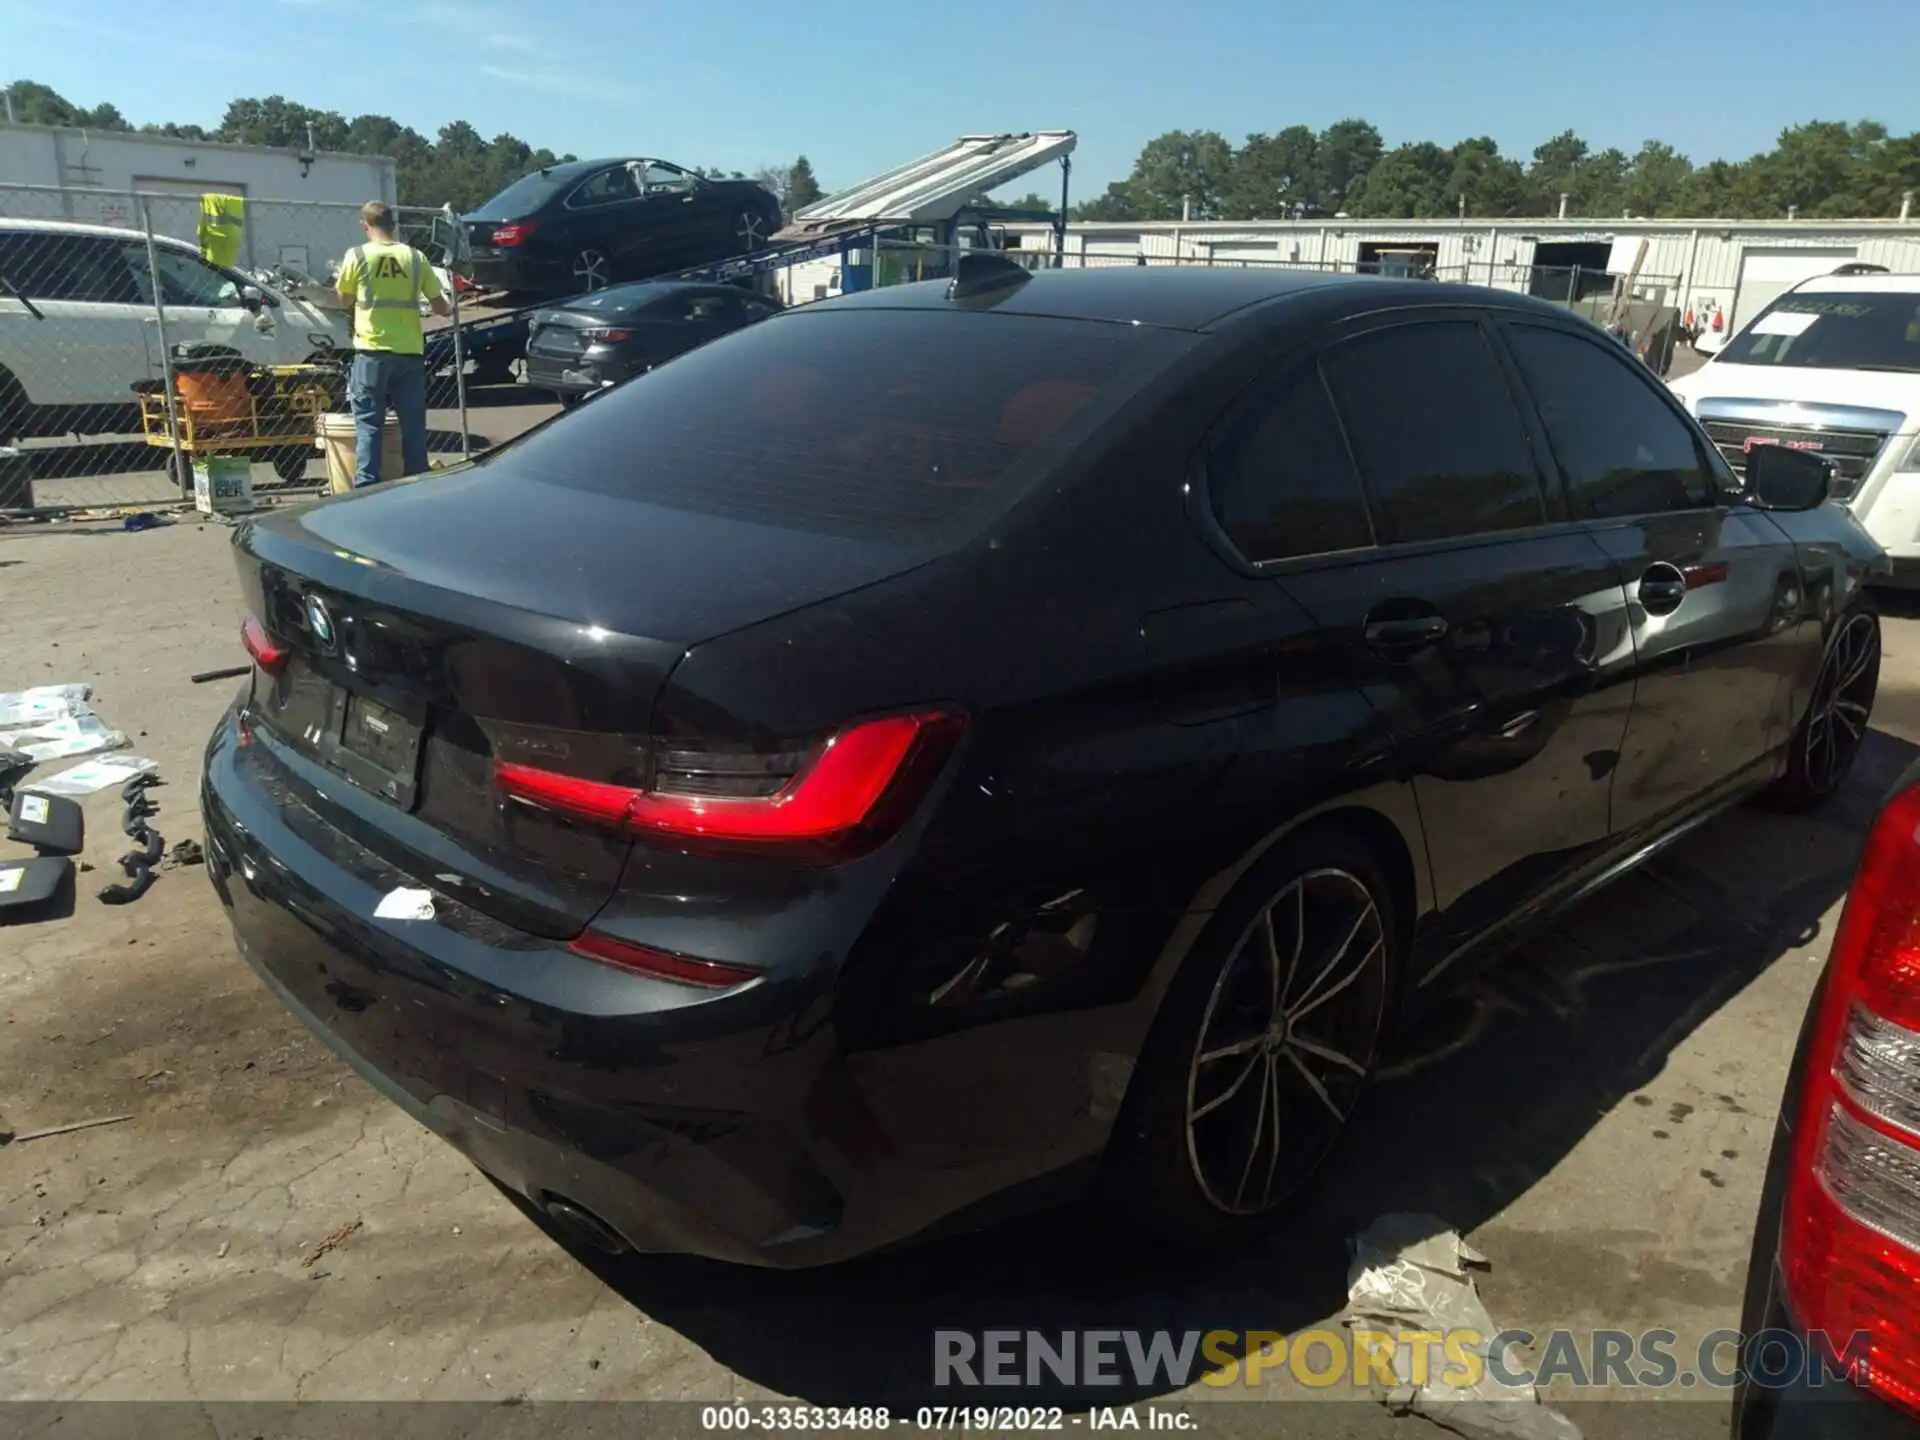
1662, 588
1405, 633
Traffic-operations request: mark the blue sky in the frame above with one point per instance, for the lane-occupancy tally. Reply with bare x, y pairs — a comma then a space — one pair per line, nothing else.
861, 87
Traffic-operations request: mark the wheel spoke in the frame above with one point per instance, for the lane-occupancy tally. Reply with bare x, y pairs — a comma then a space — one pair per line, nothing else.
1306, 1008
1238, 1047
1327, 1053
1259, 1128
1285, 982
1273, 960
1850, 714
1314, 1081
1273, 1160
1339, 953
1239, 1084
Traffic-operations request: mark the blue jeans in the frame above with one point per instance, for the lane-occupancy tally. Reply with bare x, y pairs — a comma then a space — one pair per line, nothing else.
378, 380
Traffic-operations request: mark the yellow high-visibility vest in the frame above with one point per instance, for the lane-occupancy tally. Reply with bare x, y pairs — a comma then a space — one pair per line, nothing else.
387, 282
222, 219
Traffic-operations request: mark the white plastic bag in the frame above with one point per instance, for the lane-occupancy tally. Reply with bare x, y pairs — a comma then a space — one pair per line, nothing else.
41, 703
96, 774
69, 735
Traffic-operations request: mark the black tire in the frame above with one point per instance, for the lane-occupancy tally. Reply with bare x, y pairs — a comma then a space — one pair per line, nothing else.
1191, 1111
16, 412
291, 465
492, 371
1827, 740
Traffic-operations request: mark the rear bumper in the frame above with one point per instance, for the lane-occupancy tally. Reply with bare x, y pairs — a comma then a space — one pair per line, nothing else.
672, 1114
575, 375
506, 270
735, 1126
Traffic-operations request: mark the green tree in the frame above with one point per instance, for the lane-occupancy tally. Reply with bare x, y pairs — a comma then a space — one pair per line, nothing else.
1556, 163
1657, 180
1116, 202
1408, 183
1182, 168
1347, 151
802, 188
1488, 182
1272, 174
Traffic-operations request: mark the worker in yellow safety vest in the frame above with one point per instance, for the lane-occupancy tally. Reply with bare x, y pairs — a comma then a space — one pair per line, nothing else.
385, 282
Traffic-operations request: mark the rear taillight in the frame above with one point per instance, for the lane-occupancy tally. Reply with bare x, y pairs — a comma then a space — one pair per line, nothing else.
266, 653
608, 335
860, 781
518, 233
1850, 1235
661, 964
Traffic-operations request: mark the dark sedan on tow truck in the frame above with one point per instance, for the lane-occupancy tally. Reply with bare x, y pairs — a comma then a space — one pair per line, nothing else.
585, 225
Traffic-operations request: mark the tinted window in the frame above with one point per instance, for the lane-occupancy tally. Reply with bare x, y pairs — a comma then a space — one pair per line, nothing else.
188, 280
1280, 478
1850, 330
1434, 429
605, 188
881, 422
530, 192
1624, 452
52, 266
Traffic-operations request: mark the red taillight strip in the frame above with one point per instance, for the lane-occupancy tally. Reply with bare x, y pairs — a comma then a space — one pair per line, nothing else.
842, 789
661, 964
1849, 1269
267, 655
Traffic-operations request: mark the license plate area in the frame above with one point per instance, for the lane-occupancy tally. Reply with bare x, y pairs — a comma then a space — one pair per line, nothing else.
374, 743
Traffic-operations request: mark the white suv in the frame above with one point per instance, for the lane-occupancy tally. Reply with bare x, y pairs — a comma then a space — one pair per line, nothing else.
77, 322
1832, 365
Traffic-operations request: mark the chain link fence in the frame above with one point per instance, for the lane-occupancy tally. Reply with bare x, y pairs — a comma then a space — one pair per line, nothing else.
135, 339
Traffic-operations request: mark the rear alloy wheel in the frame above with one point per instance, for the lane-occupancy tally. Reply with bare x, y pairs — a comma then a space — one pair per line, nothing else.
1264, 1044
1829, 735
749, 231
592, 270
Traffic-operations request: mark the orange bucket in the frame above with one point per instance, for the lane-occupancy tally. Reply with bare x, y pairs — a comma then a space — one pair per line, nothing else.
215, 398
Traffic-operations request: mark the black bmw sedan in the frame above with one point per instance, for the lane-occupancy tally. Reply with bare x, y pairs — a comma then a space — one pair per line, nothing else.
944, 745
582, 226
601, 339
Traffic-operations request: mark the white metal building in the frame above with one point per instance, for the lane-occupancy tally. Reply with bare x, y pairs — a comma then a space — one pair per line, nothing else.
1736, 265
300, 205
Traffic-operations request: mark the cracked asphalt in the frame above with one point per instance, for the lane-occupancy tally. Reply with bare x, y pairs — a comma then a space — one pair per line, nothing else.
1594, 1113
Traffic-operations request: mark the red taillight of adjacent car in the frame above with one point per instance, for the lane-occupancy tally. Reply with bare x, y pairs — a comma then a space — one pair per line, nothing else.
861, 780
1850, 1236
607, 336
517, 233
267, 653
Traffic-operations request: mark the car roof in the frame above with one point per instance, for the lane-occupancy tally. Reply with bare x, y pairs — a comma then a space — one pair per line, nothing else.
1884, 284
653, 289
1186, 297
75, 227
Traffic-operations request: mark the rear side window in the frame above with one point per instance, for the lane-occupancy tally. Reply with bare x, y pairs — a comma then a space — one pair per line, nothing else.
906, 424
1623, 450
1433, 426
49, 265
1280, 478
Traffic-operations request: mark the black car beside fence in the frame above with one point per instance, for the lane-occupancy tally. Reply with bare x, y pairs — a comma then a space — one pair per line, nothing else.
583, 226
601, 339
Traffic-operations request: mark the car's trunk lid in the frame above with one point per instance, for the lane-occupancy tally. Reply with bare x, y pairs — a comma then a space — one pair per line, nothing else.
436, 626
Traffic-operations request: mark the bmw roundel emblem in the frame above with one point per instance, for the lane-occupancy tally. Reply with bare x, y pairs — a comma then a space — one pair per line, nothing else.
319, 621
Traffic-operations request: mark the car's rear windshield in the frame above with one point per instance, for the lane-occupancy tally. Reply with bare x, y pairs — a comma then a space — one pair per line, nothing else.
1834, 330
913, 425
618, 299
529, 192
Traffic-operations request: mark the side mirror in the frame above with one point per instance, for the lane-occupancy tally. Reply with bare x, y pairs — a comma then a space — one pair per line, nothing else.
1779, 478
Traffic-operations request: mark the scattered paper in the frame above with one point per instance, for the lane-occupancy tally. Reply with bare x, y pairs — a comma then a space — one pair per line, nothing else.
68, 735
10, 879
41, 703
405, 904
1409, 1273
34, 809
97, 774
1784, 322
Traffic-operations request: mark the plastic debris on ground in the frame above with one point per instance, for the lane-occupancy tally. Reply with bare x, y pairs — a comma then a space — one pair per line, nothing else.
42, 702
1410, 1272
69, 735
50, 722
96, 774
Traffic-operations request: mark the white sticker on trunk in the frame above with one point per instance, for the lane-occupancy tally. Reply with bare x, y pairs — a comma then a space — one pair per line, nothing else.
1784, 322
405, 904
10, 879
33, 809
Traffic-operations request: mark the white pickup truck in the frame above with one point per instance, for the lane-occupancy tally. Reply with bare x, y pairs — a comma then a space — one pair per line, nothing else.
1832, 365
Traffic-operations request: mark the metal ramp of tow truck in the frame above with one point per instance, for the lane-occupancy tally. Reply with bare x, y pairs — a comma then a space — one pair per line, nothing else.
930, 189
